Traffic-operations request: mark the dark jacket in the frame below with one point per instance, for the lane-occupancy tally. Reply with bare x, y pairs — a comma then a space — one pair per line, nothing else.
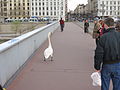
108, 49
86, 24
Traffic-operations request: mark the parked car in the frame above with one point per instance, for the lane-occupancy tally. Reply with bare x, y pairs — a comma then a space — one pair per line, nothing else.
9, 20
33, 20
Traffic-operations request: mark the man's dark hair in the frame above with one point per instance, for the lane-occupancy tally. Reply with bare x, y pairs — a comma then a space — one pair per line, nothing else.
1, 87
109, 22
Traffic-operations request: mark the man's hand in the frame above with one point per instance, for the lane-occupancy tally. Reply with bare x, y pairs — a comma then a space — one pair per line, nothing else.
97, 70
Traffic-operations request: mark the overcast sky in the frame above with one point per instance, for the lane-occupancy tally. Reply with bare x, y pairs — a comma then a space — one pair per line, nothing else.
72, 4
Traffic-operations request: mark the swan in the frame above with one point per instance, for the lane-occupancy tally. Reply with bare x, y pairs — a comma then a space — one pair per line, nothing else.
48, 51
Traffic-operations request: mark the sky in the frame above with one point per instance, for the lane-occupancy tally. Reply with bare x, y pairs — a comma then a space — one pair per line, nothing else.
72, 4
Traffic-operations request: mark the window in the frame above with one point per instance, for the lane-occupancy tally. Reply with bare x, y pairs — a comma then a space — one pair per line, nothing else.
114, 7
5, 9
23, 8
39, 13
47, 13
110, 7
114, 2
36, 13
110, 2
39, 3
47, 8
107, 2
43, 13
106, 13
118, 13
110, 12
23, 4
54, 13
5, 4
106, 7
39, 8
43, 3
32, 13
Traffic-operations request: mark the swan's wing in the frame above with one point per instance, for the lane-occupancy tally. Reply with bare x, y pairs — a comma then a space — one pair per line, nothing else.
48, 52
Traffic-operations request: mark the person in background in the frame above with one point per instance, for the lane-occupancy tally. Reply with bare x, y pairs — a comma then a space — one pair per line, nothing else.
86, 25
117, 26
61, 24
107, 55
96, 31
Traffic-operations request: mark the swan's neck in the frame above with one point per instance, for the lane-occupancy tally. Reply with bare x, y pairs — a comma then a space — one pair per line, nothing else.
49, 41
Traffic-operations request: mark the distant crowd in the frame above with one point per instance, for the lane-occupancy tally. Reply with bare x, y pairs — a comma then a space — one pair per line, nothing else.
99, 29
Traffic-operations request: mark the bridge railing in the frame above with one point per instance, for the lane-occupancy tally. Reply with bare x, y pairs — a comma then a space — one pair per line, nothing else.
14, 53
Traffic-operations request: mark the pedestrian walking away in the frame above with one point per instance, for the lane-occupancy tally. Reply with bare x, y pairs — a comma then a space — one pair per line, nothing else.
86, 25
107, 56
61, 24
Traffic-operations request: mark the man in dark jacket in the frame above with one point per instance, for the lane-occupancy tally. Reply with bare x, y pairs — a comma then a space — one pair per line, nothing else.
86, 25
107, 53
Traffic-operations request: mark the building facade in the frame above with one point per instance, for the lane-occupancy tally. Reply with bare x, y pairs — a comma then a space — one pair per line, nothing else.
23, 9
18, 9
109, 8
53, 9
3, 10
104, 8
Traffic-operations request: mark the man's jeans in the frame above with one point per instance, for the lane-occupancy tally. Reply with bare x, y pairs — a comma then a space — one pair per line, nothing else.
110, 72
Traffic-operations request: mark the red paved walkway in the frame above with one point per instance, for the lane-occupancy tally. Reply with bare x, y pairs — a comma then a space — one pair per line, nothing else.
71, 68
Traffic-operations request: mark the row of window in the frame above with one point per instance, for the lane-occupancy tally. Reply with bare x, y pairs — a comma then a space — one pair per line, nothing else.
110, 13
111, 8
111, 2
44, 0
20, 4
18, 0
19, 13
20, 8
47, 8
51, 3
47, 13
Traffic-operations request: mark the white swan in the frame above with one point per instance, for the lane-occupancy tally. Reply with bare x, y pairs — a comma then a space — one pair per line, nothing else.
48, 51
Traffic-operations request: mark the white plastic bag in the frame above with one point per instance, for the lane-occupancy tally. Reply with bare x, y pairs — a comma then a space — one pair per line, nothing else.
96, 77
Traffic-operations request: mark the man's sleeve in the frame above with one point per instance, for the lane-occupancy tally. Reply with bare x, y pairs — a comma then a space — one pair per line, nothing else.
99, 52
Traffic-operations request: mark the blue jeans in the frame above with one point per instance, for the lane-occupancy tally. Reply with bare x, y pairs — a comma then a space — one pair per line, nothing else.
110, 72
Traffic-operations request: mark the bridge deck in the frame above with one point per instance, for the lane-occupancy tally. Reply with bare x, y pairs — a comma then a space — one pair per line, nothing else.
71, 68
